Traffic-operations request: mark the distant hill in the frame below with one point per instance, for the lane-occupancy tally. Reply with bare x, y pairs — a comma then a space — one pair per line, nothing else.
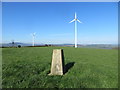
16, 44
104, 46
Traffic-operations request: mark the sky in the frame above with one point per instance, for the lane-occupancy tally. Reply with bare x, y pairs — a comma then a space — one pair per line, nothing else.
50, 21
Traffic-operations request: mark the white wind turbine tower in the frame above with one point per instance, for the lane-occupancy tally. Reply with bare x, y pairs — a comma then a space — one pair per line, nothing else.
75, 20
33, 36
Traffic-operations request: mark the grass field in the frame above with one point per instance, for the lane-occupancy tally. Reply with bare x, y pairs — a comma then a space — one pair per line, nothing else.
88, 68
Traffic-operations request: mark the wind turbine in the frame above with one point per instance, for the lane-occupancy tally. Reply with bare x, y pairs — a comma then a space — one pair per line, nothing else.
33, 36
75, 20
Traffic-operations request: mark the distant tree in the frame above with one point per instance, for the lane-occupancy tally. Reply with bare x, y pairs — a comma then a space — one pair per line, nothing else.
50, 45
46, 45
13, 43
19, 46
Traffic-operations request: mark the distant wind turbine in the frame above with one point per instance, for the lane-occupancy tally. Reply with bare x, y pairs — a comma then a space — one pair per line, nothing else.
33, 36
75, 20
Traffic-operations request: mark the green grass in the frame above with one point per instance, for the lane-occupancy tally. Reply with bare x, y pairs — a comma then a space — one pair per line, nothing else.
29, 68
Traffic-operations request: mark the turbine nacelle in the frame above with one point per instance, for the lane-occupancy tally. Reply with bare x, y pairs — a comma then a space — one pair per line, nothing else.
75, 19
33, 34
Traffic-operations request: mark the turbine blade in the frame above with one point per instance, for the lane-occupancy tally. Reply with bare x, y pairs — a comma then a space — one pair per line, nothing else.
72, 21
75, 15
79, 21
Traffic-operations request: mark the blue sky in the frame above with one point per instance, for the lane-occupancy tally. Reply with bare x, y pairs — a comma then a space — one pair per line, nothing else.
51, 20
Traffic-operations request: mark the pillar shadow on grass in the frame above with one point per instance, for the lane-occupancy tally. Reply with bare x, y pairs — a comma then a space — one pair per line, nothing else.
68, 66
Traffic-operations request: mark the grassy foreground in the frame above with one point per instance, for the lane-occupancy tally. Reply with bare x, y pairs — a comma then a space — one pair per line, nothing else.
29, 68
